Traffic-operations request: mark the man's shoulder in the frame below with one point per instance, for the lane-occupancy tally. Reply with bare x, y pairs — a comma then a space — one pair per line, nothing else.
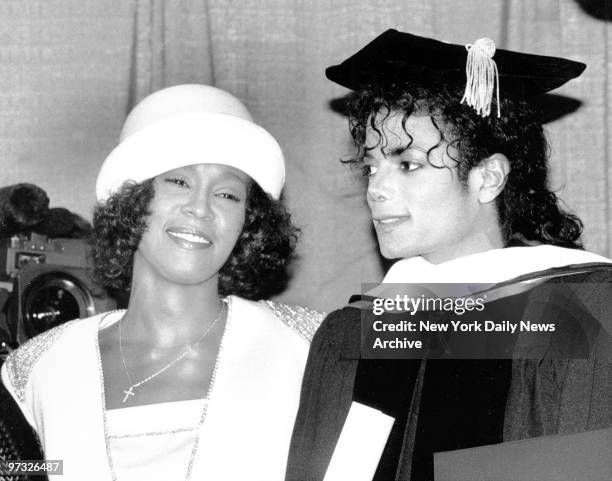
348, 316
590, 281
340, 332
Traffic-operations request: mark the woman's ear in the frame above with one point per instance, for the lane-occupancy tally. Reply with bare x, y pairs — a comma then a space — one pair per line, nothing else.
493, 173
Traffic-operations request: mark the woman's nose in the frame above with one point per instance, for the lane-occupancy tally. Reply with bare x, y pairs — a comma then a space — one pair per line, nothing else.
199, 205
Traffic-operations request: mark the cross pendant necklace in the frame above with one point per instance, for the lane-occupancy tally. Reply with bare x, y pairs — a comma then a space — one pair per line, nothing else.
128, 393
188, 349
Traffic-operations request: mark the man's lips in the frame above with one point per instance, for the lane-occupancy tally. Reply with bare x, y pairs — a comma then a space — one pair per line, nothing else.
389, 219
384, 222
189, 238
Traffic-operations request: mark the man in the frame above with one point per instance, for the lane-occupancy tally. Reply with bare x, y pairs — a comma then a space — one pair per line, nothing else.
456, 165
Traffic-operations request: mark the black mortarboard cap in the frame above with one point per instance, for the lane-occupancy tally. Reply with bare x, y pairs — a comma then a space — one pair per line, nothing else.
397, 56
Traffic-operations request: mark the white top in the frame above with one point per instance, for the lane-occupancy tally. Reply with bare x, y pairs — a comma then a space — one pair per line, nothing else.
56, 379
153, 441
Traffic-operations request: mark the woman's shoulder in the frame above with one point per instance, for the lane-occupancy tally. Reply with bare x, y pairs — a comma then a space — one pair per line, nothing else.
21, 363
302, 321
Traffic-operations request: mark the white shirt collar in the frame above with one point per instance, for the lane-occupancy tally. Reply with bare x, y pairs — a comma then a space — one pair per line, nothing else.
492, 266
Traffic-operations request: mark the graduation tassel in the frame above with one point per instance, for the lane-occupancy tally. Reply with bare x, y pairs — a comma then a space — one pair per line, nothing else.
482, 77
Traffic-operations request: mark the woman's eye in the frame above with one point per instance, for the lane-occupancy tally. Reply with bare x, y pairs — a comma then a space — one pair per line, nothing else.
368, 170
179, 181
229, 196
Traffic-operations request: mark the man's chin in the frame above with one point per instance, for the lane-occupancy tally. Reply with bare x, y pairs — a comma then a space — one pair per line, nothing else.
392, 252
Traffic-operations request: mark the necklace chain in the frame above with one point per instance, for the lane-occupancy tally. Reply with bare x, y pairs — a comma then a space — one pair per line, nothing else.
209, 390
130, 392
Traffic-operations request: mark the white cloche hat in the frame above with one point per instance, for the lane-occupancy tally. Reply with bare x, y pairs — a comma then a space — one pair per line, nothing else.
186, 125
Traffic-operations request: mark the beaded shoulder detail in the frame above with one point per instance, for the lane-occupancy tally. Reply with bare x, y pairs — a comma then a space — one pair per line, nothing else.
19, 363
302, 320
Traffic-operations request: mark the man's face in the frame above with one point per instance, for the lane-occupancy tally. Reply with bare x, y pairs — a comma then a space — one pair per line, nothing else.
419, 207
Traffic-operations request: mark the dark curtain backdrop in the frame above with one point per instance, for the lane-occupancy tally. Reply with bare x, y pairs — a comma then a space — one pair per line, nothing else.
71, 69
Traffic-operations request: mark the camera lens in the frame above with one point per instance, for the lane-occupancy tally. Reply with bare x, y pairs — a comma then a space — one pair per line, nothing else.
52, 299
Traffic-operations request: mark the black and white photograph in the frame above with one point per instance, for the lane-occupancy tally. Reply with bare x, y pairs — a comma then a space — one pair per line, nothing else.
306, 240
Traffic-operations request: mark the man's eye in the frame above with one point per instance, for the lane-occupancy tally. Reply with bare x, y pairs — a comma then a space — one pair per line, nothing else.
408, 166
179, 181
368, 170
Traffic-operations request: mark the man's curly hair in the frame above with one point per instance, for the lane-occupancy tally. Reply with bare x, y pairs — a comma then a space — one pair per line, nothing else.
256, 269
528, 210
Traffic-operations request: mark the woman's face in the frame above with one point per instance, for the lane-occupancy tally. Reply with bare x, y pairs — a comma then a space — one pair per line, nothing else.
419, 209
197, 215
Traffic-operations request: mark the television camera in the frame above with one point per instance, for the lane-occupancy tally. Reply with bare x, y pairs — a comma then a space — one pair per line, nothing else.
46, 282
45, 273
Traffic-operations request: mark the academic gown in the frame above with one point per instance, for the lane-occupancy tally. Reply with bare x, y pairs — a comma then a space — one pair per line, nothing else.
442, 404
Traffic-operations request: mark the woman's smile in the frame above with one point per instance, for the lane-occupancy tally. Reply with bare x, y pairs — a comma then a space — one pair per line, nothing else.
189, 238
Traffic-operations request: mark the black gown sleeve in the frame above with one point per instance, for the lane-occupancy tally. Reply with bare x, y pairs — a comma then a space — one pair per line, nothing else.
557, 394
18, 441
326, 396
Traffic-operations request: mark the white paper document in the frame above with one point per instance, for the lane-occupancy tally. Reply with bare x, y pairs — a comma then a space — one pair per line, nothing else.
360, 444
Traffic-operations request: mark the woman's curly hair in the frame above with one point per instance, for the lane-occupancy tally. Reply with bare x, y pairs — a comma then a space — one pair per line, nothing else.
528, 210
257, 266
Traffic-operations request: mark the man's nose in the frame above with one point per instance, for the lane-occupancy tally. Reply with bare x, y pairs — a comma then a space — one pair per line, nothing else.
380, 185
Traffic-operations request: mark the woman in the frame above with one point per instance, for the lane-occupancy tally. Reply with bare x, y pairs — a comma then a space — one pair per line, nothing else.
191, 381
